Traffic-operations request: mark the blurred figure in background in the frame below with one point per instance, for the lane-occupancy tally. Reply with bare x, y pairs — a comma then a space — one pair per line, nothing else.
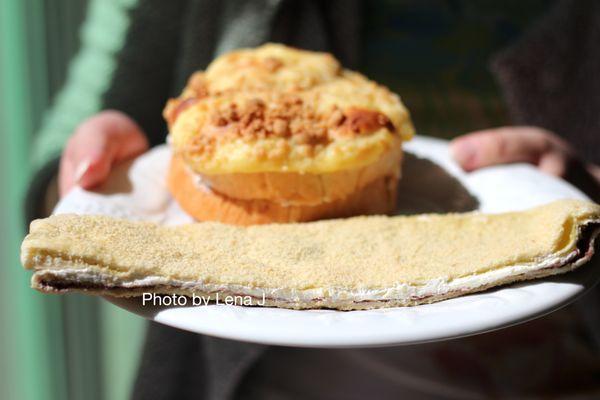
518, 81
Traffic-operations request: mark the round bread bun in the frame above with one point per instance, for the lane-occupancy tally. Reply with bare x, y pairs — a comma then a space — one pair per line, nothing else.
286, 125
204, 204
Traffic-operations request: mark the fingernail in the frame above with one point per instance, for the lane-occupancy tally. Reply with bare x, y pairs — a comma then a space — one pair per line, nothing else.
465, 154
81, 169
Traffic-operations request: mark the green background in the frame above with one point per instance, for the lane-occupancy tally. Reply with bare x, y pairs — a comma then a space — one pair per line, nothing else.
51, 347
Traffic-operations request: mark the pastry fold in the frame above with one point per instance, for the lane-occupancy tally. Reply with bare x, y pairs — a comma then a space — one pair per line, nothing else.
346, 264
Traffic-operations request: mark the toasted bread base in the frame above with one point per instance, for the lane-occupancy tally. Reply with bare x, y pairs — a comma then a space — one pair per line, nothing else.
206, 204
306, 189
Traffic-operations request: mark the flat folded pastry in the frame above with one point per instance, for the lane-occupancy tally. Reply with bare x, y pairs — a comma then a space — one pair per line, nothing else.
346, 264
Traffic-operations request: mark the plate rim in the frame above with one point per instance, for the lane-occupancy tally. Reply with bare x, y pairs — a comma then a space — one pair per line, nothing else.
579, 282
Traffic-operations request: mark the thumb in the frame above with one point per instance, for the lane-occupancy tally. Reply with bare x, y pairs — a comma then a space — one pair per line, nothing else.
100, 142
93, 165
500, 146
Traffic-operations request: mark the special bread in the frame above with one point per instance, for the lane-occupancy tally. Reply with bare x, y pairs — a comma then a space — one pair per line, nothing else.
287, 126
197, 199
346, 264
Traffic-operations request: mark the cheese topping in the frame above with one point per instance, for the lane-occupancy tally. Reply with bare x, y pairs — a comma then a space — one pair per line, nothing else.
278, 109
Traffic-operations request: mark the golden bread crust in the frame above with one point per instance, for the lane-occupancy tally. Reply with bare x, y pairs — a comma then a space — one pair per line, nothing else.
277, 109
204, 204
307, 189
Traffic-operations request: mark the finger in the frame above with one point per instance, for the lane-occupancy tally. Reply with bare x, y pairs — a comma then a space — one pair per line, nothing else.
554, 163
105, 140
499, 146
86, 161
99, 143
93, 165
65, 175
126, 137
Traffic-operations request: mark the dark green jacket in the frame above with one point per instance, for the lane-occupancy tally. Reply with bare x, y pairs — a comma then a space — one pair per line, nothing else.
134, 56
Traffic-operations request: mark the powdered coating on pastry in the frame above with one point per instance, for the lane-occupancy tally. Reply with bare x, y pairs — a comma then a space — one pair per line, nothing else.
275, 108
352, 256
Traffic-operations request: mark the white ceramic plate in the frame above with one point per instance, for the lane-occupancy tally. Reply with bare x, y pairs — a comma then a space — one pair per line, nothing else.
432, 182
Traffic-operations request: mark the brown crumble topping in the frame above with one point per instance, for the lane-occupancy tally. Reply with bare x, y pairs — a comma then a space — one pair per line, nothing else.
197, 84
281, 115
285, 118
195, 90
272, 63
336, 118
176, 106
360, 121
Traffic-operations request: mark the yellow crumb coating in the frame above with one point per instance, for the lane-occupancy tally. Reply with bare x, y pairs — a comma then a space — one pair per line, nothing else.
279, 109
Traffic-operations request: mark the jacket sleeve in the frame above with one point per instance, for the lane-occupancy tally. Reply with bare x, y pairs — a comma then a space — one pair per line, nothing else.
550, 77
125, 62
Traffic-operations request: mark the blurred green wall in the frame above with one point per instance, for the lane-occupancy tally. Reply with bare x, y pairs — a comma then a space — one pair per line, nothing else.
51, 347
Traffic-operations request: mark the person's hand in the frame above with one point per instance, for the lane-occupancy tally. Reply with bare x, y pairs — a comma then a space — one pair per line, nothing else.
533, 145
97, 144
529, 144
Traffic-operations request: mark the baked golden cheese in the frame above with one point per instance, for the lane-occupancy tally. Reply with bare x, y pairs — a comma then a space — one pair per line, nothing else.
280, 109
346, 264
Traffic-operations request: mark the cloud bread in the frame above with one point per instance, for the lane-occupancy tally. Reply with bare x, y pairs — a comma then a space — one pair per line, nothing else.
261, 116
355, 263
